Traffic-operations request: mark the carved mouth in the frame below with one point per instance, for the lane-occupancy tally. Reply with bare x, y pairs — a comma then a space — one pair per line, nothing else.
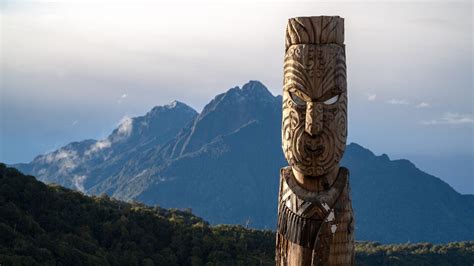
314, 149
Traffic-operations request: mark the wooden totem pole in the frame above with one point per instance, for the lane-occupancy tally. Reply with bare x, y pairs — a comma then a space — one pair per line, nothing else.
315, 219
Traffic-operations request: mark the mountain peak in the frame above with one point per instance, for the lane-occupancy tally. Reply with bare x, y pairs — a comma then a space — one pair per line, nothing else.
359, 150
157, 126
253, 91
173, 106
228, 111
256, 88
254, 85
176, 104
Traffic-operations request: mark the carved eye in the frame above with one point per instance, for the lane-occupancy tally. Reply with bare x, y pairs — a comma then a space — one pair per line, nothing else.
333, 100
297, 100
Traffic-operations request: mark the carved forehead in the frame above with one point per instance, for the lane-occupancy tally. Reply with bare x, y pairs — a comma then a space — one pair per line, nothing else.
315, 69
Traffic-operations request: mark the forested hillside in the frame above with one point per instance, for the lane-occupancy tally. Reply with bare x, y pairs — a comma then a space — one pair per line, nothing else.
49, 224
42, 224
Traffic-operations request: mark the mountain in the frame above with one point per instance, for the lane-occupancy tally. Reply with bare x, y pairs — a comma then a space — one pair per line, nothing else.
224, 164
37, 229
396, 196
98, 165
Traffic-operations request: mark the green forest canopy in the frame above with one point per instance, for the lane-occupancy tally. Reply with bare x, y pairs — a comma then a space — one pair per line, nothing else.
49, 224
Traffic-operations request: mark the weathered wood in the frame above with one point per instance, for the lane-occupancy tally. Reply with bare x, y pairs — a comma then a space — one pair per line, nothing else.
315, 30
315, 219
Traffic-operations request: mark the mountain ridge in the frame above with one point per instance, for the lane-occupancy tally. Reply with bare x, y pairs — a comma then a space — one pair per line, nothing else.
224, 164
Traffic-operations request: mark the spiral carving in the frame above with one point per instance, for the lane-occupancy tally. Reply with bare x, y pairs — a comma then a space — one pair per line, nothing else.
314, 140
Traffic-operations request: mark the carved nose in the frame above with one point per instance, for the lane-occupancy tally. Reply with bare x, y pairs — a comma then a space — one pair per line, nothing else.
314, 118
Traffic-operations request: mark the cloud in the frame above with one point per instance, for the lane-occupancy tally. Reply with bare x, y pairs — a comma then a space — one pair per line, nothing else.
60, 155
125, 126
66, 160
99, 145
398, 102
79, 182
395, 101
124, 130
371, 97
435, 22
72, 124
423, 105
122, 98
451, 119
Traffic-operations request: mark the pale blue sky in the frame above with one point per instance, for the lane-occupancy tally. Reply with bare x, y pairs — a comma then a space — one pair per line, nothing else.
70, 70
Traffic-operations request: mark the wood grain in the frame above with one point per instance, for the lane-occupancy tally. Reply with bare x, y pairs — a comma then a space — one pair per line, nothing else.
315, 216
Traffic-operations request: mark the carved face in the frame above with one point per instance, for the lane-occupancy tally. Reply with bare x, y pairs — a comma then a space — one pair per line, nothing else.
314, 128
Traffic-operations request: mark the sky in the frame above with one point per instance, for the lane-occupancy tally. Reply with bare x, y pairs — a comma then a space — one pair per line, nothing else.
70, 70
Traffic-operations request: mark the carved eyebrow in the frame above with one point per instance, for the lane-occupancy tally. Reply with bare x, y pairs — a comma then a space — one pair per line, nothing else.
329, 94
300, 94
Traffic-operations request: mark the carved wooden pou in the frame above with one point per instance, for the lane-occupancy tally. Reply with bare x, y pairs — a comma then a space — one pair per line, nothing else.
315, 218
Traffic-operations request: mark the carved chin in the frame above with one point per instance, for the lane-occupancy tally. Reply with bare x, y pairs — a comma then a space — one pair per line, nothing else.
312, 156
